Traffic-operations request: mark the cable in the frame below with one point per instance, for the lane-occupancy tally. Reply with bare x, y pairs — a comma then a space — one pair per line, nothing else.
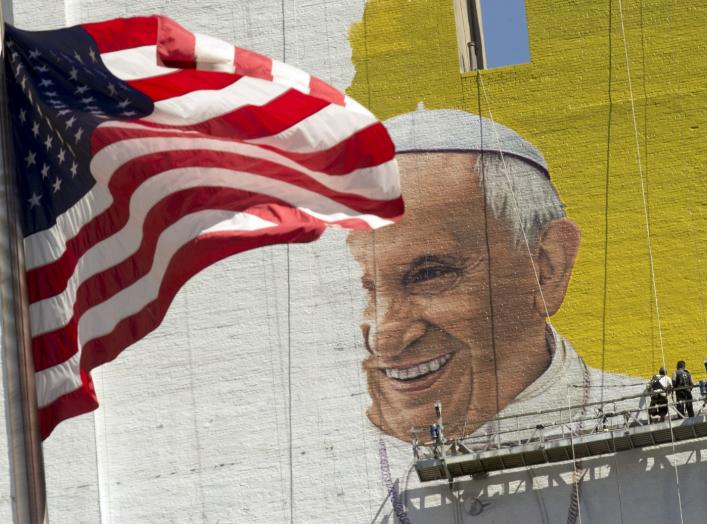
289, 387
605, 296
194, 408
289, 326
275, 389
482, 180
648, 236
532, 264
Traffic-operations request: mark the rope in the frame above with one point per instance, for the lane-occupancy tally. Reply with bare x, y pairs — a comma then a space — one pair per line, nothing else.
362, 411
516, 206
289, 326
275, 388
289, 387
482, 180
194, 407
618, 488
648, 236
605, 295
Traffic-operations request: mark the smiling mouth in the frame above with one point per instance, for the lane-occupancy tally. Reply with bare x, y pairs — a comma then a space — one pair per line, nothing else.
419, 370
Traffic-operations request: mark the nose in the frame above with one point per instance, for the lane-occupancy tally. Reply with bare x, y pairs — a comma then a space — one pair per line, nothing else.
397, 329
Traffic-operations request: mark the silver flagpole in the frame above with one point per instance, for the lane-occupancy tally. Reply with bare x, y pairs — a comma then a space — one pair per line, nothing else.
25, 446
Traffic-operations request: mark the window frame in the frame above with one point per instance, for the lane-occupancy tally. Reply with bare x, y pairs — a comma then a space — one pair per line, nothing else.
470, 35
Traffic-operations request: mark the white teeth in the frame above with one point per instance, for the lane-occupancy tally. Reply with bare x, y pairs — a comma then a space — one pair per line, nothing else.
418, 370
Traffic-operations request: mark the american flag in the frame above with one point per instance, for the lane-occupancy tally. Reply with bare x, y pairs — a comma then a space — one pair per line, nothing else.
143, 154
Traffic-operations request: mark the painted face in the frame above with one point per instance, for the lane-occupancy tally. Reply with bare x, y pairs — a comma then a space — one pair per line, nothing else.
449, 298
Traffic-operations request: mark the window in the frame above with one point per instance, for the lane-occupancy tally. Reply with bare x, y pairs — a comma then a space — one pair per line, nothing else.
491, 33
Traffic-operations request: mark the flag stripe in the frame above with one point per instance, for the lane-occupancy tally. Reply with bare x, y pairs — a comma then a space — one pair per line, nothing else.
58, 380
181, 82
366, 148
79, 401
288, 75
326, 128
177, 48
327, 92
175, 45
201, 105
123, 33
135, 63
378, 182
108, 160
213, 54
250, 63
46, 314
126, 181
246, 123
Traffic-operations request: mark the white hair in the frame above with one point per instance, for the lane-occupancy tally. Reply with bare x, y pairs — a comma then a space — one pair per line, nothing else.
519, 194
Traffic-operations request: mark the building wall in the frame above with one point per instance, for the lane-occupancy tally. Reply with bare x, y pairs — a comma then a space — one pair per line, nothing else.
249, 403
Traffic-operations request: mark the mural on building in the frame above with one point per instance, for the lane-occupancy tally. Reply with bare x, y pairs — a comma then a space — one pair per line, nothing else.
457, 308
283, 383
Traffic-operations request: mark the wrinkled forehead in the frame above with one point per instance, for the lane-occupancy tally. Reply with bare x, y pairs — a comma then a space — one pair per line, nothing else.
443, 206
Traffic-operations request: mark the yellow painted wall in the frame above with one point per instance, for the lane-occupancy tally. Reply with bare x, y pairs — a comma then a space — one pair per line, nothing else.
573, 102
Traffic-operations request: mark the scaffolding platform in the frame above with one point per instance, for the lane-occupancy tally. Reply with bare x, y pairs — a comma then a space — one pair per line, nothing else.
513, 446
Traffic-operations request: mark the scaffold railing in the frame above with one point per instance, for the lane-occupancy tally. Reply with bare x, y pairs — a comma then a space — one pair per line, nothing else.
552, 435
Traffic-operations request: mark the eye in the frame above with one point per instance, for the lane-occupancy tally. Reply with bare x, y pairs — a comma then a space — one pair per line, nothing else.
428, 273
431, 277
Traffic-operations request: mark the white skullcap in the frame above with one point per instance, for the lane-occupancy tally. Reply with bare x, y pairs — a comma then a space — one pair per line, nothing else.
452, 130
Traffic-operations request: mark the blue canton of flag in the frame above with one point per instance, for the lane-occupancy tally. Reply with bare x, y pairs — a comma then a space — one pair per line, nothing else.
59, 92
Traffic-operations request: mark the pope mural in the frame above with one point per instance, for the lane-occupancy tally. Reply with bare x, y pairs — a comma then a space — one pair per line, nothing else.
462, 290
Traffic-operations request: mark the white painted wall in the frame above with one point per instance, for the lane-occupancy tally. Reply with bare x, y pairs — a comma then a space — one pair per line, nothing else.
194, 423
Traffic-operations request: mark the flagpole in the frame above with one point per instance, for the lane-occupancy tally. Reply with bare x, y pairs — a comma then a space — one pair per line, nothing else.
24, 442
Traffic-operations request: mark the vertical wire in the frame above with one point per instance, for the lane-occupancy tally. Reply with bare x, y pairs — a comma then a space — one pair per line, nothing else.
516, 206
648, 236
645, 155
358, 370
289, 385
482, 178
103, 497
289, 324
192, 398
606, 241
373, 233
275, 388
607, 177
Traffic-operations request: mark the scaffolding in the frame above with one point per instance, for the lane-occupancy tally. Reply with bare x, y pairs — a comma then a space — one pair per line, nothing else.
565, 434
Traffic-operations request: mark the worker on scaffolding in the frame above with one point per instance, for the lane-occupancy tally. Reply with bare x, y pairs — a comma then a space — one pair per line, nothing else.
659, 387
682, 385
436, 434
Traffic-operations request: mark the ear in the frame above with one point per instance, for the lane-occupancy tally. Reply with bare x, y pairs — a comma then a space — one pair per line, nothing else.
556, 251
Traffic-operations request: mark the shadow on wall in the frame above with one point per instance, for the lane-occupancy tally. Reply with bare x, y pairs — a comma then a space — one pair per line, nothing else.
616, 488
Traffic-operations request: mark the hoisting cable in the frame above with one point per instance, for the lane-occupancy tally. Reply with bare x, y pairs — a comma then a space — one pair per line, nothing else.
289, 326
578, 470
648, 238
